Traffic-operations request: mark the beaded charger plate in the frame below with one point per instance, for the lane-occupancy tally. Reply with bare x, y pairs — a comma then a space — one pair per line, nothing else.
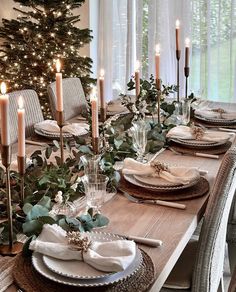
74, 274
28, 279
197, 190
183, 149
198, 143
81, 270
158, 185
216, 121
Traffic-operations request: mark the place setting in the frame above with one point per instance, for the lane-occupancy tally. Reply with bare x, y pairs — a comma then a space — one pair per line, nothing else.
198, 140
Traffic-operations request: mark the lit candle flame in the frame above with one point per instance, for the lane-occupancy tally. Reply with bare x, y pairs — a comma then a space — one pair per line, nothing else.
102, 73
58, 65
187, 42
3, 88
158, 49
21, 102
137, 65
177, 24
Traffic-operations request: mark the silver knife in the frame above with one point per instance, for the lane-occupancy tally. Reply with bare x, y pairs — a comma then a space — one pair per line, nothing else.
155, 202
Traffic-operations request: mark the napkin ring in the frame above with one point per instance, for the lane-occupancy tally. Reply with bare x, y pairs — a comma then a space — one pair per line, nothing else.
78, 242
219, 110
197, 132
159, 167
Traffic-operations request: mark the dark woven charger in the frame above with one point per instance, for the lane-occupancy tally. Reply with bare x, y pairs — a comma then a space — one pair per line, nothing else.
28, 279
197, 190
185, 149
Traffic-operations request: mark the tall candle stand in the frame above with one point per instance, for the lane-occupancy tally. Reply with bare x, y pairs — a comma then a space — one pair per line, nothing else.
10, 249
103, 114
158, 85
21, 169
95, 144
178, 58
61, 122
186, 74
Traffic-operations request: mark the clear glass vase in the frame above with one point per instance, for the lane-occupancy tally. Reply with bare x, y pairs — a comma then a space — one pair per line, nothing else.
90, 163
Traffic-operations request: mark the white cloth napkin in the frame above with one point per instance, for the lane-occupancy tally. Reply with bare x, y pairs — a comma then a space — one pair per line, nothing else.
49, 126
182, 175
112, 256
116, 106
207, 112
185, 132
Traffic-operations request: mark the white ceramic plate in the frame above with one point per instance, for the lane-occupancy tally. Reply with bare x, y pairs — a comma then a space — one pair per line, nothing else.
52, 135
79, 269
131, 179
38, 263
216, 121
198, 143
155, 181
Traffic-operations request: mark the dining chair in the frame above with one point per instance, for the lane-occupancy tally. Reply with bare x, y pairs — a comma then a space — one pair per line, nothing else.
33, 112
200, 266
231, 236
232, 285
73, 95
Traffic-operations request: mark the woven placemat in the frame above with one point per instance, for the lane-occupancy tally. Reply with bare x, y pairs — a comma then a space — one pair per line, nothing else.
192, 150
6, 267
198, 190
28, 279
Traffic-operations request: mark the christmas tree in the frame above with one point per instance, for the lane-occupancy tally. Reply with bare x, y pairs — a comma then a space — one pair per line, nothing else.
43, 32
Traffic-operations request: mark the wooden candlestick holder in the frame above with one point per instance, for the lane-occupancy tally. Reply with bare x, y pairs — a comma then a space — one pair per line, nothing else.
61, 123
10, 249
103, 114
186, 74
21, 161
178, 53
95, 144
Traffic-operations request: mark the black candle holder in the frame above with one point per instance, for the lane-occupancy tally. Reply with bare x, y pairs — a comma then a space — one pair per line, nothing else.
178, 53
186, 74
61, 123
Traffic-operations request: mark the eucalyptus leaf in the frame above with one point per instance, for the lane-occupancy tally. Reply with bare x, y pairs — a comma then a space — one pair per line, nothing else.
36, 212
45, 202
27, 208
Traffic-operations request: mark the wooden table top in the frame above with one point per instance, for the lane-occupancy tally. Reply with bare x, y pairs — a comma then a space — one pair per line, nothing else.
174, 227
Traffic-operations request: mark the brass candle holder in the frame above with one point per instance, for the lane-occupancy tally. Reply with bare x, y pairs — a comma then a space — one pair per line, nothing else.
61, 123
95, 144
21, 161
186, 74
158, 85
178, 53
103, 114
10, 249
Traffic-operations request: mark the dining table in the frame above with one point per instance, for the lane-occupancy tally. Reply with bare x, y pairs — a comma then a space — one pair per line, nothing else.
174, 227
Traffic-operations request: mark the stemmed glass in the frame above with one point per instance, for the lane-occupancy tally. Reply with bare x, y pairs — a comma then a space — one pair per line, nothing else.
95, 190
139, 137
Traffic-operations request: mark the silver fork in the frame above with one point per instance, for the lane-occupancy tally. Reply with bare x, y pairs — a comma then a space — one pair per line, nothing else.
155, 202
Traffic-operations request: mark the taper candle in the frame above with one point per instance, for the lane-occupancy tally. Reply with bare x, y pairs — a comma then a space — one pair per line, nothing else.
137, 78
157, 61
21, 127
59, 91
101, 88
187, 44
4, 110
177, 26
94, 108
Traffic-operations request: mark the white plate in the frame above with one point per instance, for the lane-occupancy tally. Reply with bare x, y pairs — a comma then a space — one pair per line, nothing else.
131, 179
79, 269
37, 261
216, 121
198, 143
52, 135
155, 181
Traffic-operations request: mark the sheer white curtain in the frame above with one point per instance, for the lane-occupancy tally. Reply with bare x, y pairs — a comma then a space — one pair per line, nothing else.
214, 49
119, 32
162, 16
130, 29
